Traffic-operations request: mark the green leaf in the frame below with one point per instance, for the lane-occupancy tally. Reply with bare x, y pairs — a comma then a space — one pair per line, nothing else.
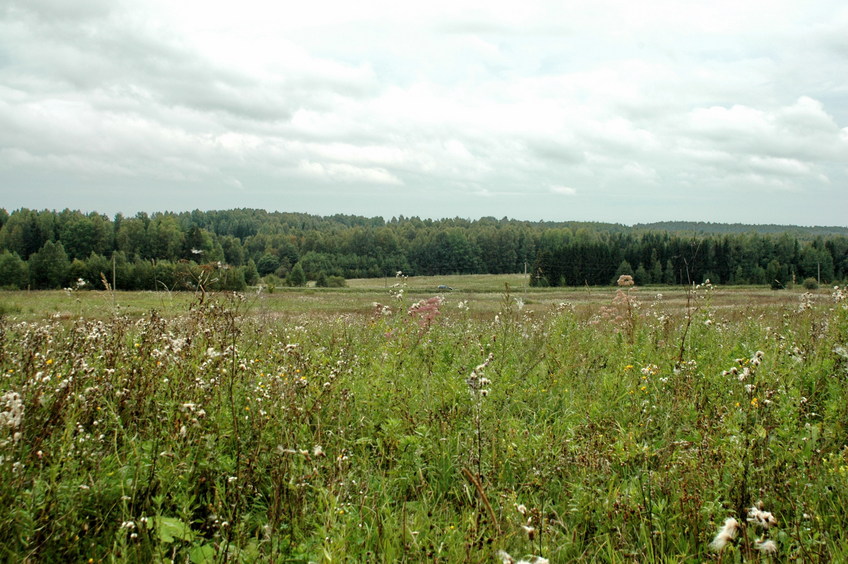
203, 554
171, 528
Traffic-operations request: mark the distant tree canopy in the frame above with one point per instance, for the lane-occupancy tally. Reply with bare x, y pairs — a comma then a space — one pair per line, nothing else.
233, 248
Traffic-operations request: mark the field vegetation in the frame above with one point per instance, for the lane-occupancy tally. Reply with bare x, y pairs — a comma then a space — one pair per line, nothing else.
396, 421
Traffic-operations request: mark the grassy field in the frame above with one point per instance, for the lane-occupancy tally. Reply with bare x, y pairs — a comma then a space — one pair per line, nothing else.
483, 291
391, 421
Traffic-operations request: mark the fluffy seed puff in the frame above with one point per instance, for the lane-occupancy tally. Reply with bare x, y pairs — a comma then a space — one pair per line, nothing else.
726, 534
766, 546
761, 518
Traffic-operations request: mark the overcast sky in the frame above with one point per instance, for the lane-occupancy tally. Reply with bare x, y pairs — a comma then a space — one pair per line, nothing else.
620, 111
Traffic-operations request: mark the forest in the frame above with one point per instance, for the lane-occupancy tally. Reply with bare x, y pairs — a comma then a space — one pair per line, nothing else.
233, 249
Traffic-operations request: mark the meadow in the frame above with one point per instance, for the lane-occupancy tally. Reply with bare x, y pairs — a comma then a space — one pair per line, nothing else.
394, 421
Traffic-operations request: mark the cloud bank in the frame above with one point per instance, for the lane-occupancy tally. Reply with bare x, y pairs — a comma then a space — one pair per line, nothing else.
608, 111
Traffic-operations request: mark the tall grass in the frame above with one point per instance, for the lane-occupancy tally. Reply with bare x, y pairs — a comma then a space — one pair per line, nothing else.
622, 431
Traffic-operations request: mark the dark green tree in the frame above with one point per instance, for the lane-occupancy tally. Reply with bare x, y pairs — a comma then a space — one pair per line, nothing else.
641, 276
13, 271
48, 268
251, 275
296, 277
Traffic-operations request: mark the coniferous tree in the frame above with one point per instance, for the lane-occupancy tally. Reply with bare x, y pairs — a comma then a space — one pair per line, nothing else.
296, 277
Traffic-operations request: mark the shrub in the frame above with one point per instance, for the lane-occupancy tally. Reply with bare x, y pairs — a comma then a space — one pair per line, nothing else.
336, 282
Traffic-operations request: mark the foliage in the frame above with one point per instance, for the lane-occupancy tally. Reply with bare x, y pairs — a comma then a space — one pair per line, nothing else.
48, 268
428, 430
554, 253
336, 282
13, 271
296, 277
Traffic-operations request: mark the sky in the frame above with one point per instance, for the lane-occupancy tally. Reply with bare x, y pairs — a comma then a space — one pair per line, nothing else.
596, 110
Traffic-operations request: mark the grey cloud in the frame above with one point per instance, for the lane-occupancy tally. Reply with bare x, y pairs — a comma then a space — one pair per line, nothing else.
443, 112
62, 11
557, 151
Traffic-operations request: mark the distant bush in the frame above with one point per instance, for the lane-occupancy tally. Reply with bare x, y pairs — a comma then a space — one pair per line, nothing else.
811, 284
324, 281
336, 282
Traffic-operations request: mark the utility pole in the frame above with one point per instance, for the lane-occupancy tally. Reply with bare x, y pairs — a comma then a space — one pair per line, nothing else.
525, 279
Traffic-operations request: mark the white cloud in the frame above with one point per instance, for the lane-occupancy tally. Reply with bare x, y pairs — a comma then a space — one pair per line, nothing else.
345, 173
564, 190
448, 101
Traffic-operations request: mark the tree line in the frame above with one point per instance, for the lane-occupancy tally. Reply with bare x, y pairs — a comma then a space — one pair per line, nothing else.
233, 249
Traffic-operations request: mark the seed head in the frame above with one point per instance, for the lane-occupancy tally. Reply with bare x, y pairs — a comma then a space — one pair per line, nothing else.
726, 534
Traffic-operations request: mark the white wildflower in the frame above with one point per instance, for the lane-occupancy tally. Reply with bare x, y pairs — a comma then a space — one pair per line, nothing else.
507, 559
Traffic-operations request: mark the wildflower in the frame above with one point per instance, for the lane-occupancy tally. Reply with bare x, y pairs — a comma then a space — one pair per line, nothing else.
726, 534
477, 382
625, 280
426, 310
761, 518
650, 370
12, 413
507, 559
766, 546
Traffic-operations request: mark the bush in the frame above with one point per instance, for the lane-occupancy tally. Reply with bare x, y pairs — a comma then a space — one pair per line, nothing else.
811, 284
336, 282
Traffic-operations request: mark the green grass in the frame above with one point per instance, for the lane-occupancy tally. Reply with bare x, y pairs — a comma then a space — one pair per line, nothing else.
483, 292
305, 425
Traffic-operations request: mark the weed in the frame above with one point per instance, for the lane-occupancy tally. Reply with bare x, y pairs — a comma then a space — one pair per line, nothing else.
294, 427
